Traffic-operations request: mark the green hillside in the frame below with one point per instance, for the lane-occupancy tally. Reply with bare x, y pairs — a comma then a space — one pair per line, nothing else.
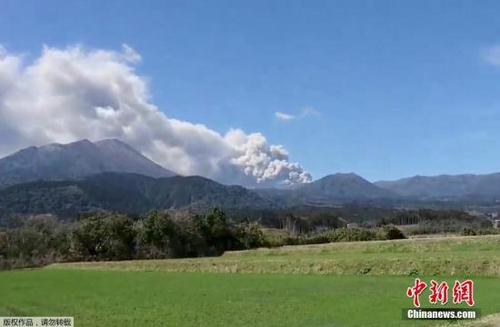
125, 193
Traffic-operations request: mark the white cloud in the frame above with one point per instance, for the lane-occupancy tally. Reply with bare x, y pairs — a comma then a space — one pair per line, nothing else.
130, 54
492, 55
73, 93
281, 116
305, 112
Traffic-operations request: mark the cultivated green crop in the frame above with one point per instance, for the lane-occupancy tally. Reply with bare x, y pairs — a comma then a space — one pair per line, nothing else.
101, 298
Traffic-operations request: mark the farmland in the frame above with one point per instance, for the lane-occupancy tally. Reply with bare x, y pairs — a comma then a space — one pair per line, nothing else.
445, 256
342, 284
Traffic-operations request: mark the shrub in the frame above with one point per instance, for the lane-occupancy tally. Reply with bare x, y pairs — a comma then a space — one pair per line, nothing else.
219, 235
275, 239
390, 232
250, 236
351, 235
158, 236
316, 238
451, 225
104, 237
468, 232
39, 240
479, 231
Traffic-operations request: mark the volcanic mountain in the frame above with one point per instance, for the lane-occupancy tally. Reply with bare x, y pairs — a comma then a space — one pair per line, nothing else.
56, 162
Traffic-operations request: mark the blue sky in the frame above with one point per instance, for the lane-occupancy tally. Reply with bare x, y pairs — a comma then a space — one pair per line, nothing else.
392, 88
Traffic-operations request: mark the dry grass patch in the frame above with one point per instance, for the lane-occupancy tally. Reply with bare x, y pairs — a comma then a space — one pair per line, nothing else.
447, 256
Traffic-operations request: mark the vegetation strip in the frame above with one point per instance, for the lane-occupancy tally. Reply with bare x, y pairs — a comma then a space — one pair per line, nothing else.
447, 256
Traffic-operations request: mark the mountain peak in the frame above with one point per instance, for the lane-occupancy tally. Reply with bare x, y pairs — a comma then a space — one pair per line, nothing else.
343, 178
343, 186
82, 141
343, 175
76, 160
113, 141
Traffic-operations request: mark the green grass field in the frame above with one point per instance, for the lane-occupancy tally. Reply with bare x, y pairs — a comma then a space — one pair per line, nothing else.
101, 298
344, 284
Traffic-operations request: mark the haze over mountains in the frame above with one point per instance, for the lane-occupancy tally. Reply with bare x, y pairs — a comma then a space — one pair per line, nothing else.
110, 175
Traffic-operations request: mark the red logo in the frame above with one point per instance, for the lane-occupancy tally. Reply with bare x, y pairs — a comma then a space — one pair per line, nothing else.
415, 291
462, 292
439, 292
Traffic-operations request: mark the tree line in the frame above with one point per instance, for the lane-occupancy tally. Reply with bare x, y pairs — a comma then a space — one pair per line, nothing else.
43, 240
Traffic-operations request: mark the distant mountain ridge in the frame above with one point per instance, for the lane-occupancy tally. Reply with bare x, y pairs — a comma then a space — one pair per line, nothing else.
344, 186
446, 186
333, 189
82, 176
74, 161
125, 193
